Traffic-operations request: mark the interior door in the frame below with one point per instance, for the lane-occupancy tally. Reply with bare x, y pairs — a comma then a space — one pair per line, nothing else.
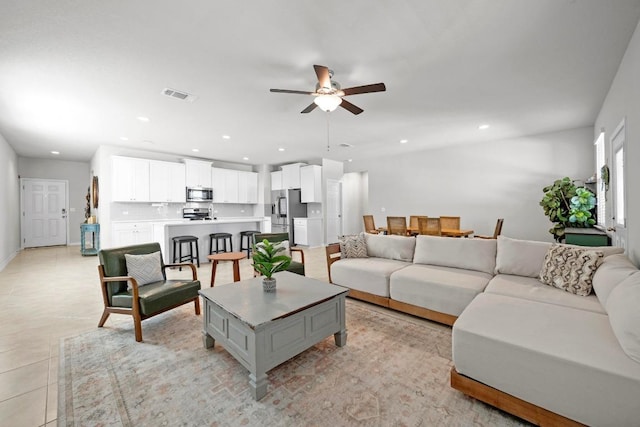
334, 210
618, 185
44, 212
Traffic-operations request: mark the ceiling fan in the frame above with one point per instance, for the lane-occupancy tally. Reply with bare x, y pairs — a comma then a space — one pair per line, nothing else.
329, 95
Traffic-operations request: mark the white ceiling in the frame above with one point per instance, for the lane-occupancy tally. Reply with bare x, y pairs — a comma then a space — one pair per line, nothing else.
76, 74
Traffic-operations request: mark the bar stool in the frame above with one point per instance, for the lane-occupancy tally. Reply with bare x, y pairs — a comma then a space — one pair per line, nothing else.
191, 240
217, 237
249, 235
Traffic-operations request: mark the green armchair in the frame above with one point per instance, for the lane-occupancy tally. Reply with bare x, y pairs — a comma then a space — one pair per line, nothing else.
138, 301
296, 266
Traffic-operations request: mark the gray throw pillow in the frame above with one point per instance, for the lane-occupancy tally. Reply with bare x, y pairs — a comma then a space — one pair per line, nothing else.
353, 246
570, 268
145, 268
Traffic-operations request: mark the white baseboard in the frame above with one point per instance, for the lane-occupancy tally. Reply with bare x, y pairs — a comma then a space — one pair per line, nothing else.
6, 261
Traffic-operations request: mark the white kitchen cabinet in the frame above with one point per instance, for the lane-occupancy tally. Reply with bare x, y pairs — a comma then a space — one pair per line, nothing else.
225, 185
130, 181
198, 173
276, 181
307, 231
247, 187
311, 184
167, 182
291, 175
131, 233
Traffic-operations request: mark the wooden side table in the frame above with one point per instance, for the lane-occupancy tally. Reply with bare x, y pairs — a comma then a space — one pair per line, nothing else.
94, 231
235, 257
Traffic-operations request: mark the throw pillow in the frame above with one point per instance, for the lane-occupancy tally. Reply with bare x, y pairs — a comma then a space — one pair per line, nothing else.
624, 315
570, 269
145, 268
353, 246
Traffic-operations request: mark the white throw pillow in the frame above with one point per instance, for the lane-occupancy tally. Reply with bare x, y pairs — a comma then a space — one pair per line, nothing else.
613, 270
145, 268
391, 247
353, 246
624, 315
520, 257
469, 254
570, 269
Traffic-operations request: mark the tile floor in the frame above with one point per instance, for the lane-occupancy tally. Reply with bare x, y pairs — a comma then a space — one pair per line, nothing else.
50, 293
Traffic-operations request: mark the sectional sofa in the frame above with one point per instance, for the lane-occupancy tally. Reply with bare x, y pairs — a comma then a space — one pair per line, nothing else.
541, 353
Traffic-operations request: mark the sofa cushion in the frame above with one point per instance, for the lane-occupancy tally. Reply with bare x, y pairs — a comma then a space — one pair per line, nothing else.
365, 274
353, 246
534, 290
443, 289
145, 269
613, 270
520, 257
391, 247
468, 254
570, 268
564, 360
623, 306
157, 296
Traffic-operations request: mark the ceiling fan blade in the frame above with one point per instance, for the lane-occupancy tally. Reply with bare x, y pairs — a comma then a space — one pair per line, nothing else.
349, 106
300, 92
310, 108
323, 76
377, 87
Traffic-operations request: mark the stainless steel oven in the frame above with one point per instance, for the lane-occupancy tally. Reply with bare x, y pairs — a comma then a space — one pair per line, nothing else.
199, 194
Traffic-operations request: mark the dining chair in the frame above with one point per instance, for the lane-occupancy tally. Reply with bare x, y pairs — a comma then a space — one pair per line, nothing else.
369, 224
496, 232
397, 225
429, 226
413, 224
450, 222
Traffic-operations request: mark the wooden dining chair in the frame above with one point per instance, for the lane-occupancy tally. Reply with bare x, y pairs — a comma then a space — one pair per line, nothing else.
450, 222
369, 224
496, 232
397, 225
429, 226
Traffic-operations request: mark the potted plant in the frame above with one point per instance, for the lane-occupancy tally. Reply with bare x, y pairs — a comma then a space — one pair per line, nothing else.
568, 206
267, 260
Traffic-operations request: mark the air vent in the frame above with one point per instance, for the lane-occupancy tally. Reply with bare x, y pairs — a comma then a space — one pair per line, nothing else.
179, 94
345, 145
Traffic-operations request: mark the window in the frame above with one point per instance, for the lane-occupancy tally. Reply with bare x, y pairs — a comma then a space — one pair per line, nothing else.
600, 193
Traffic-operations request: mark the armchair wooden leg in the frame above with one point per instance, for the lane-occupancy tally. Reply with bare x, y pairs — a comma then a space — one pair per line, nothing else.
103, 319
196, 302
137, 324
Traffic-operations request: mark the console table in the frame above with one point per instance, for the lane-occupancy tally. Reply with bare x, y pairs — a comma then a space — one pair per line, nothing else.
92, 230
586, 237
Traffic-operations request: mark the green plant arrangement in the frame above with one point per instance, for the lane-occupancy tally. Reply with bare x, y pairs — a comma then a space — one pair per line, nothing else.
267, 260
567, 206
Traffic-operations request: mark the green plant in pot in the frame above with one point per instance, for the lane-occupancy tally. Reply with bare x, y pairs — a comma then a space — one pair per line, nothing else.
568, 206
267, 260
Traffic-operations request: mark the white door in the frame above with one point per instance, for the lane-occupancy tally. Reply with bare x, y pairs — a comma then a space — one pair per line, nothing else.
44, 212
618, 185
334, 210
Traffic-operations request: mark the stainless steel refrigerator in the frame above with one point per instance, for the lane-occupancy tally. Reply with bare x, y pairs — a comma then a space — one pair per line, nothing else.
285, 206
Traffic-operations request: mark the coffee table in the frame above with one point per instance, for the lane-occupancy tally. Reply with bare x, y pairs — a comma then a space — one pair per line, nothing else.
261, 329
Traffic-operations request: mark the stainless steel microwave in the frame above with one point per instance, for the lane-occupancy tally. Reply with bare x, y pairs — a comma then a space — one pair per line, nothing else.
199, 194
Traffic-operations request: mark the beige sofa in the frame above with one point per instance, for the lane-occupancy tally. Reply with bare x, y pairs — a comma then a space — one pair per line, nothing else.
536, 351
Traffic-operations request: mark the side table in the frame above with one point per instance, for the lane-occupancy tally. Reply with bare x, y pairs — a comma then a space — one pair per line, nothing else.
235, 257
85, 231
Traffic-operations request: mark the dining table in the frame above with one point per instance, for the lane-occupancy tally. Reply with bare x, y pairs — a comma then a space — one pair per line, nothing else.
446, 232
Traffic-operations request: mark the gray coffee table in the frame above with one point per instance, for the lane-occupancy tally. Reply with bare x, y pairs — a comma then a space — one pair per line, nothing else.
262, 329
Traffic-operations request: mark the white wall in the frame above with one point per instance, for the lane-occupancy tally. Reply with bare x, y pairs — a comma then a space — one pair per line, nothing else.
481, 182
623, 101
79, 180
9, 204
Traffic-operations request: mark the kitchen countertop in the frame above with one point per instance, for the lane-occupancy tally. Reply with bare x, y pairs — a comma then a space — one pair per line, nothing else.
179, 221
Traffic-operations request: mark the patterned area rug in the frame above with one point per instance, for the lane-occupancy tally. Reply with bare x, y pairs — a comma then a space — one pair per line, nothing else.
394, 371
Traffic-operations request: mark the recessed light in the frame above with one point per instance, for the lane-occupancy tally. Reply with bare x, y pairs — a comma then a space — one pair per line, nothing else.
404, 141
143, 119
280, 149
124, 138
483, 127
350, 160
195, 150
226, 137
245, 158
55, 152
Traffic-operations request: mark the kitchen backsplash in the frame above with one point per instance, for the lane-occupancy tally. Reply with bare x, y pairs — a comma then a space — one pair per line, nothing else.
160, 211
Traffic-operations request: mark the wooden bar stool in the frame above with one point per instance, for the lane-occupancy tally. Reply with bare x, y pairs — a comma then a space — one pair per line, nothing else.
248, 235
217, 237
234, 257
177, 255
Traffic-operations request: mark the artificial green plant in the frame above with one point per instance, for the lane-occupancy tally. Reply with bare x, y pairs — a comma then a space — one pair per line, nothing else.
567, 206
266, 260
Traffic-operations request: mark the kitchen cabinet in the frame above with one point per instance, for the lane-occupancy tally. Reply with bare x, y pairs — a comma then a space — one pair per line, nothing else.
198, 173
225, 185
276, 181
307, 231
247, 187
291, 175
311, 184
130, 179
131, 233
167, 182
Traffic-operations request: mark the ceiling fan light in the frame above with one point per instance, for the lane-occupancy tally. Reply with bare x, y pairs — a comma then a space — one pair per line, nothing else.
327, 103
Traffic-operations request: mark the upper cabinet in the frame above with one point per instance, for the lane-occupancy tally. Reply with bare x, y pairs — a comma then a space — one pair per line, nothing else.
225, 185
276, 181
247, 187
167, 182
130, 179
198, 173
291, 175
311, 184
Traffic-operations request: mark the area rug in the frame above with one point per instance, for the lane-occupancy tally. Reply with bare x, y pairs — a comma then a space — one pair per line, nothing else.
394, 371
